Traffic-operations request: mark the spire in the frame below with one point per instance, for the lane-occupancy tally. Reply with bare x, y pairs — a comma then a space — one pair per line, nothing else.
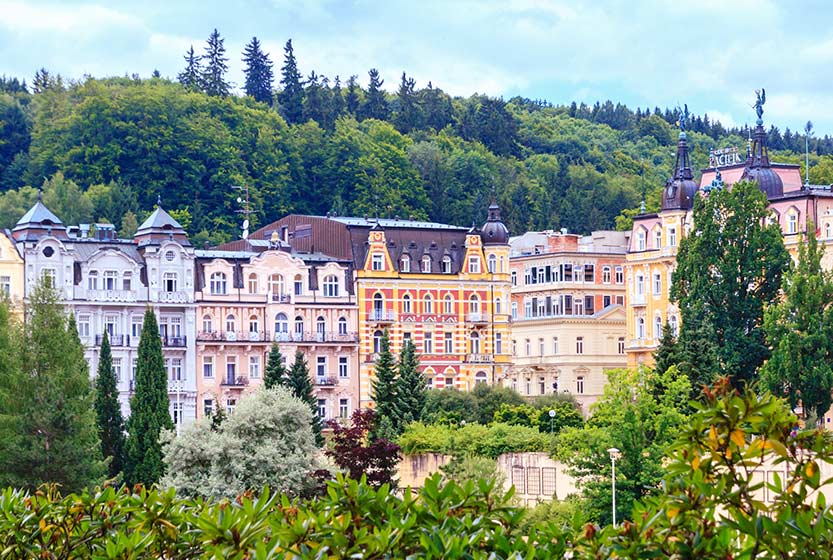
757, 164
680, 188
40, 195
159, 200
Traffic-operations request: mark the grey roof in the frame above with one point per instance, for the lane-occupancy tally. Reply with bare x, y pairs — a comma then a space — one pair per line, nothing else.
158, 220
86, 249
393, 223
318, 257
218, 254
38, 214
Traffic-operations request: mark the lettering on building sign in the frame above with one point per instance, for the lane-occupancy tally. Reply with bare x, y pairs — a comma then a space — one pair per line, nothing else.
724, 157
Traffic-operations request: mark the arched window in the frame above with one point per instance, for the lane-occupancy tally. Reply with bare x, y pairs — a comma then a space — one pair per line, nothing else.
792, 221
426, 263
514, 277
640, 328
320, 328
342, 326
254, 324
207, 324
474, 305
331, 286
657, 327
448, 303
276, 285
230, 323
446, 265
606, 275
480, 377
640, 285
281, 324
299, 326
675, 326
378, 307
502, 264
428, 304
252, 283
405, 263
217, 285
492, 264
474, 339
377, 342
498, 305
406, 304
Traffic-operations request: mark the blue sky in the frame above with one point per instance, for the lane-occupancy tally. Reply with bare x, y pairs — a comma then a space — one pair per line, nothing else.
711, 54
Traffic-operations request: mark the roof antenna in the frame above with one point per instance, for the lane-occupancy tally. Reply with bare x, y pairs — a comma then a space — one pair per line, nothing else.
808, 129
244, 201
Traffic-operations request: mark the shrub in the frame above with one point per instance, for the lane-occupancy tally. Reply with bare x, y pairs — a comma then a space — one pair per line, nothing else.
473, 439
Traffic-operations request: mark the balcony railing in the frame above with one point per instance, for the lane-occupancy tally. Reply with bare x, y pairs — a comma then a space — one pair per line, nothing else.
315, 336
478, 317
234, 336
330, 381
281, 298
174, 341
381, 316
638, 299
112, 295
479, 358
174, 297
235, 381
113, 339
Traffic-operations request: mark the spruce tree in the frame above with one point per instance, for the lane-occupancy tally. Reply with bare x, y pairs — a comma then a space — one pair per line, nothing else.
337, 101
258, 71
213, 74
108, 410
315, 104
291, 98
375, 105
352, 101
667, 353
408, 114
275, 373
300, 384
191, 76
47, 422
149, 413
384, 385
411, 386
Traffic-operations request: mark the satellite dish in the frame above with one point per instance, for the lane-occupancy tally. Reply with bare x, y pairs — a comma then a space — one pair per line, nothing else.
246, 224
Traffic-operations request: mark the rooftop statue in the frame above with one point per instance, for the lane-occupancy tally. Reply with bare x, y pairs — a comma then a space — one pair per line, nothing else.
759, 104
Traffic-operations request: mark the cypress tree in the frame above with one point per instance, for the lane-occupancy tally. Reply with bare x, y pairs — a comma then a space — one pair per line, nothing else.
300, 384
384, 386
258, 71
213, 75
275, 373
108, 411
352, 100
375, 105
191, 76
411, 386
291, 98
47, 422
149, 413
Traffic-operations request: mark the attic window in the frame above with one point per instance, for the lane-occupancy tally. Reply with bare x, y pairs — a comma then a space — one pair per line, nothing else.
48, 252
446, 265
170, 256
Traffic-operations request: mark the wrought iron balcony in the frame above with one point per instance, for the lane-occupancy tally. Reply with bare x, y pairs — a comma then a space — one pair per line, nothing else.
232, 381
113, 339
174, 341
382, 316
330, 381
281, 298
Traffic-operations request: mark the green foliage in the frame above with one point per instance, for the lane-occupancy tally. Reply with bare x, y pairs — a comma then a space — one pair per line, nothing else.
411, 386
473, 439
490, 398
518, 415
66, 199
567, 413
275, 373
568, 515
258, 71
800, 330
268, 441
471, 468
47, 423
212, 80
300, 384
149, 413
450, 406
728, 270
108, 410
384, 387
291, 97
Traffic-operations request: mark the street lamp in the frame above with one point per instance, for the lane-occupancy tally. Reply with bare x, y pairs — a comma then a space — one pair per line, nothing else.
552, 421
614, 453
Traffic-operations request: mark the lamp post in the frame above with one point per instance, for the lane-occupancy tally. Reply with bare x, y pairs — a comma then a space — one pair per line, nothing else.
613, 454
552, 421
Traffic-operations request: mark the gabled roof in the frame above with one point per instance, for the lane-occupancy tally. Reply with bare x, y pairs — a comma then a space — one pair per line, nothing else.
159, 220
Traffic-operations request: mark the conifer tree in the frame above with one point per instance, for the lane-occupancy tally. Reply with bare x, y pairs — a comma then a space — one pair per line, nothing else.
411, 386
799, 329
300, 384
315, 105
214, 72
384, 385
275, 373
352, 101
408, 115
375, 105
47, 422
291, 98
191, 76
337, 100
259, 74
667, 353
108, 410
149, 413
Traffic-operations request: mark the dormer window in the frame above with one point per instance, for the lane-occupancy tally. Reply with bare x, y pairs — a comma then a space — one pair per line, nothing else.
331, 286
405, 264
92, 280
640, 240
170, 256
126, 283
474, 265
111, 280
446, 265
217, 284
792, 221
377, 261
426, 263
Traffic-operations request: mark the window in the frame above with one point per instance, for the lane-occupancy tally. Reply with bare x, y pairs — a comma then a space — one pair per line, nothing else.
498, 343
377, 342
111, 280
231, 404
448, 305
428, 304
126, 281
474, 341
474, 264
169, 281
792, 222
446, 265
498, 305
514, 276
675, 327
176, 406
84, 326
828, 231
207, 324
426, 263
640, 285
405, 263
540, 346
208, 367
605, 301
589, 273
299, 326
254, 324
134, 365
657, 327
92, 280
555, 345
428, 343
514, 310
281, 324
621, 345
474, 305
640, 328
321, 366
298, 284
579, 345
276, 285
606, 275
480, 377
175, 370
448, 343
343, 408
343, 367
657, 238
217, 284
111, 323
48, 276
208, 407
449, 382
640, 240
542, 386
230, 323
528, 347
320, 328
136, 327
377, 261
322, 408
253, 283
580, 384
378, 306
6, 285
620, 275
170, 256
672, 237
406, 304
231, 369
492, 264
342, 326
657, 283
331, 286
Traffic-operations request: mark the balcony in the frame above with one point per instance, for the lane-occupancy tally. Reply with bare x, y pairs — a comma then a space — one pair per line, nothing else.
113, 339
638, 299
315, 336
478, 318
126, 296
174, 341
232, 381
479, 358
382, 316
281, 298
326, 381
233, 336
174, 297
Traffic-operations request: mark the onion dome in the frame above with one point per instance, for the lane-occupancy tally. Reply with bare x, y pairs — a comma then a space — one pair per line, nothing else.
758, 167
494, 231
680, 189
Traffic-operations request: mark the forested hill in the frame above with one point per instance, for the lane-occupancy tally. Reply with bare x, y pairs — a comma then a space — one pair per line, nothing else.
104, 149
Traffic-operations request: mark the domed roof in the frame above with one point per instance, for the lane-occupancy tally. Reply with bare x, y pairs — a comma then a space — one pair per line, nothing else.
681, 188
758, 167
494, 231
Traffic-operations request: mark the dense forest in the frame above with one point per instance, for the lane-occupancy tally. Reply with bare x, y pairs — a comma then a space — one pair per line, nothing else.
104, 149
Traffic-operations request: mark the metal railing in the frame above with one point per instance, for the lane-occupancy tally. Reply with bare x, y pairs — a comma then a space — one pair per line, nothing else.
382, 316
479, 358
174, 341
330, 381
232, 381
234, 336
113, 339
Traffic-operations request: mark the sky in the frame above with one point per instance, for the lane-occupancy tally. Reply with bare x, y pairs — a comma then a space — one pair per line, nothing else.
710, 54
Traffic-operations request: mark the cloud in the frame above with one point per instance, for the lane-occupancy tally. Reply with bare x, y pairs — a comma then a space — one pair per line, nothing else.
85, 19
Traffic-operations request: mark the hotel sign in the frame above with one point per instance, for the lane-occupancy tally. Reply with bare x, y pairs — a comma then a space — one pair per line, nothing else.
724, 157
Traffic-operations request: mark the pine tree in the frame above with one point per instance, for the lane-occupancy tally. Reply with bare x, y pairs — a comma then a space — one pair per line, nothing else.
149, 413
375, 105
191, 76
259, 74
411, 386
108, 410
213, 74
300, 384
47, 422
337, 102
384, 385
291, 98
275, 373
352, 101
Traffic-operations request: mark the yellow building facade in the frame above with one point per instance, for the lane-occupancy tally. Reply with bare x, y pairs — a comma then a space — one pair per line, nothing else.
11, 273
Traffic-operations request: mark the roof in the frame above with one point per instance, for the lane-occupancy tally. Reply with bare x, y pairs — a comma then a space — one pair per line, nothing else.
393, 223
221, 254
38, 214
159, 220
86, 249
